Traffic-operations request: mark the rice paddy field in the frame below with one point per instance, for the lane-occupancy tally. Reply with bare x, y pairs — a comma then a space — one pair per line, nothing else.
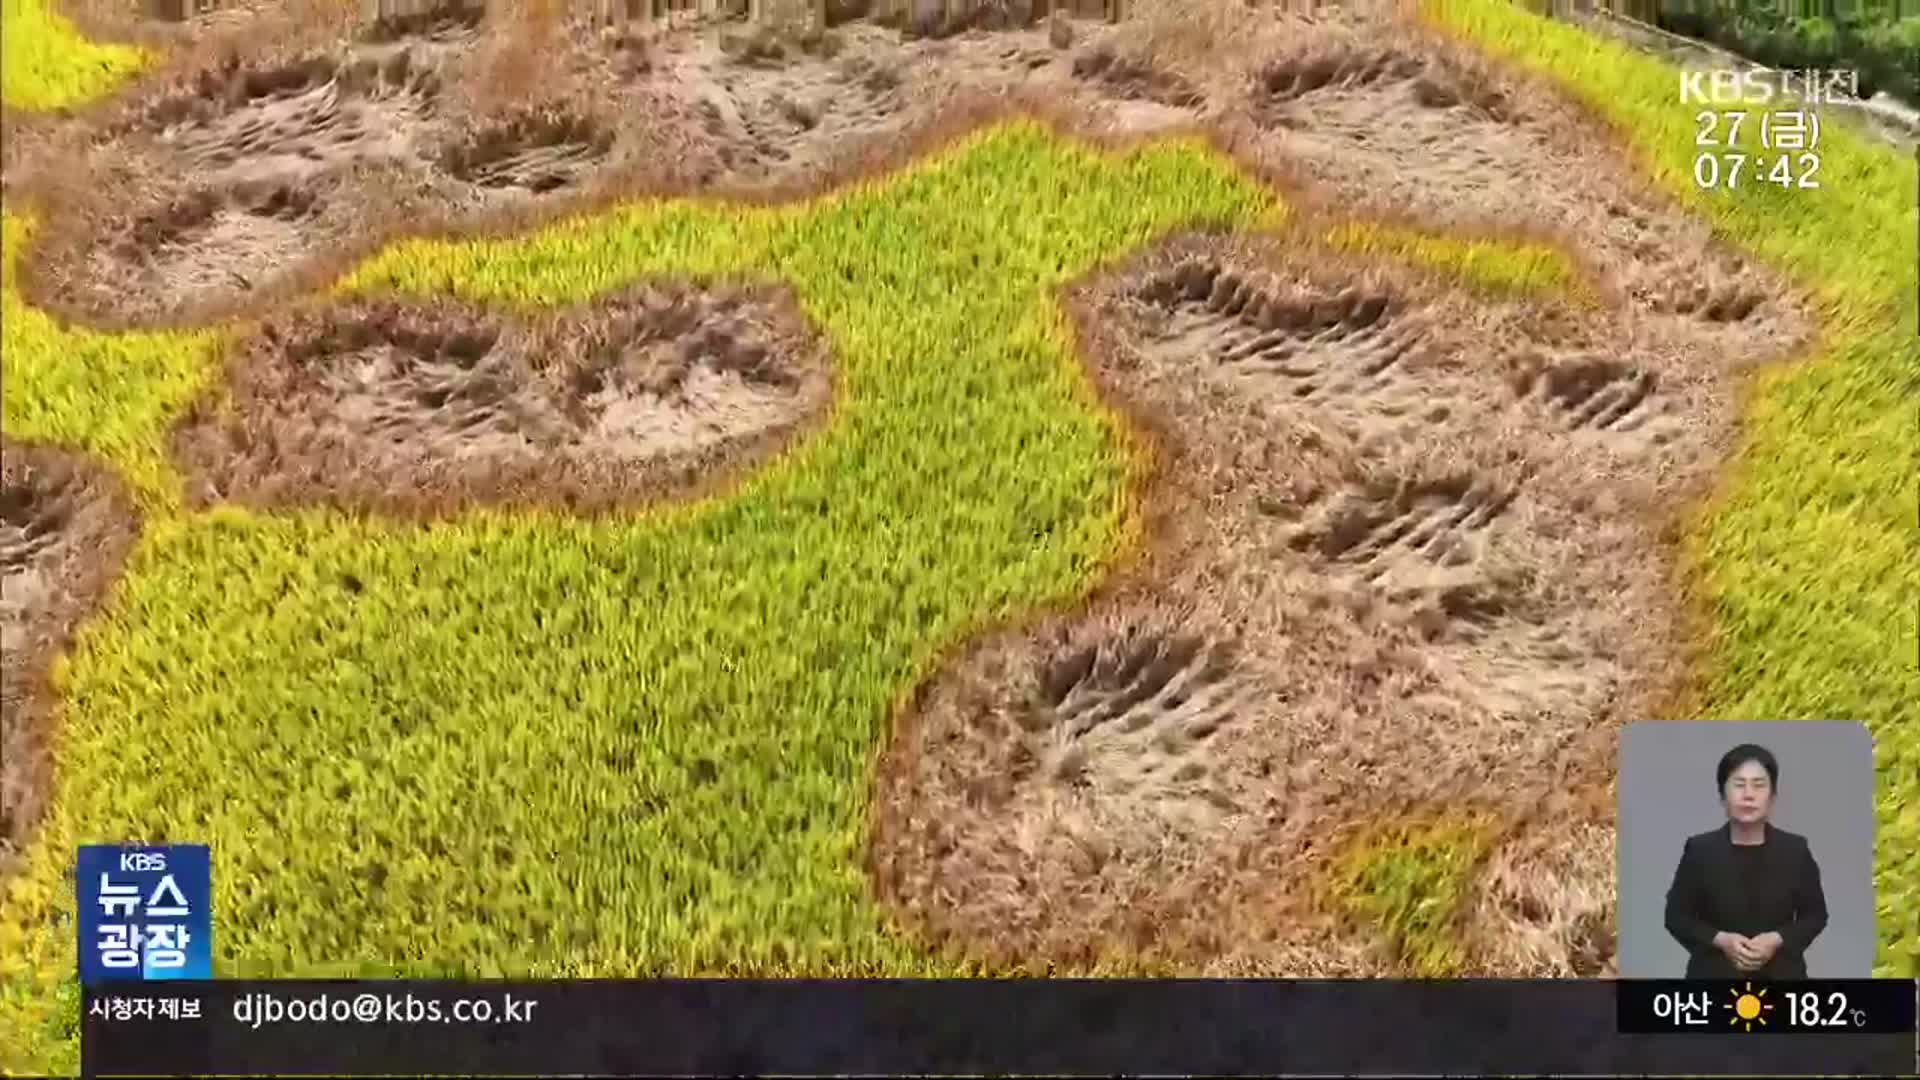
1194, 494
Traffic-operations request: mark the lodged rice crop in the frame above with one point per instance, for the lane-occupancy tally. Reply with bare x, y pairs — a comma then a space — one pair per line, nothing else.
520, 743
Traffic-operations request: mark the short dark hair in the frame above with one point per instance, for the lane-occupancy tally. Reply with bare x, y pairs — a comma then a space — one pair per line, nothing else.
1742, 754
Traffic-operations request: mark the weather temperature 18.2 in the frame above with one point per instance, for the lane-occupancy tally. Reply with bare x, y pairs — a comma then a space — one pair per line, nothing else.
1811, 1009
1880, 1006
1727, 169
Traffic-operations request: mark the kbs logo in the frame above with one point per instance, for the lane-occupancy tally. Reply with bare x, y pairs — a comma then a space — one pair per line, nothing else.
141, 862
1759, 86
1753, 87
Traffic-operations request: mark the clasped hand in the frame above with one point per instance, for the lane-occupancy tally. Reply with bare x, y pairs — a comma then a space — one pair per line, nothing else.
1749, 953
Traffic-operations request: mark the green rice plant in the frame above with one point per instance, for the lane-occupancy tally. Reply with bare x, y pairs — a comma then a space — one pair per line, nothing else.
1410, 880
1807, 563
1494, 265
46, 64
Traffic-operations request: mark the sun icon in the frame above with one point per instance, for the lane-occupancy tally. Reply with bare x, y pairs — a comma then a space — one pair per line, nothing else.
1748, 1008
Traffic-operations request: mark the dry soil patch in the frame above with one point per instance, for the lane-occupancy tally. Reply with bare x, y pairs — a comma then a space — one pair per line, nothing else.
536, 150
310, 116
415, 126
65, 527
242, 175
1386, 120
1410, 554
406, 406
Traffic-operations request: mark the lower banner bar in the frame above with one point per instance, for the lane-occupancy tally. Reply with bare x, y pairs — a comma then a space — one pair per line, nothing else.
972, 1027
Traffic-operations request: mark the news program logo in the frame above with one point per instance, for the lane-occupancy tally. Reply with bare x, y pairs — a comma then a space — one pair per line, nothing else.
144, 912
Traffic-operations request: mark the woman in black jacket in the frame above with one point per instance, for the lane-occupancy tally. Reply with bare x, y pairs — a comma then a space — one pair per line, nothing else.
1746, 899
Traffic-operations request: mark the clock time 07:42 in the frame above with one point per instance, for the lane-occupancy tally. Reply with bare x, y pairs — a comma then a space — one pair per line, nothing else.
1729, 169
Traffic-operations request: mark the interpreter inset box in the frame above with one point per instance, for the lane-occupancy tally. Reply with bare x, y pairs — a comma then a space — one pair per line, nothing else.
1745, 850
